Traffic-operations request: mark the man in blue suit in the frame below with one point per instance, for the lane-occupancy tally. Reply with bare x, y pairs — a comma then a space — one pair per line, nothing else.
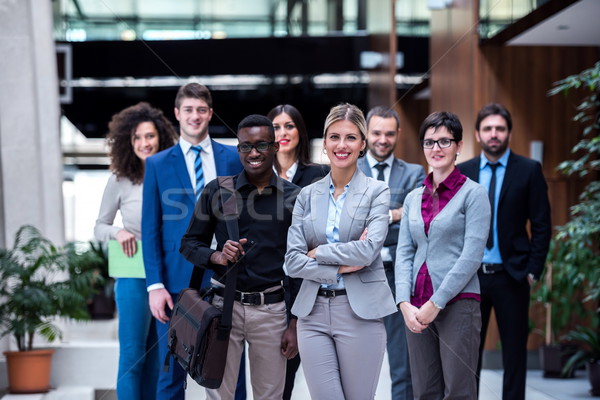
383, 129
172, 180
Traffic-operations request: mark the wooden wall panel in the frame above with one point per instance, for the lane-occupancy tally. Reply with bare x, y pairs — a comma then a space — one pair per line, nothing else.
412, 112
519, 78
453, 50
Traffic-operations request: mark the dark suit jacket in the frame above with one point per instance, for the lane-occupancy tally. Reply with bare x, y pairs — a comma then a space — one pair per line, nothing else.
307, 174
523, 198
404, 177
167, 206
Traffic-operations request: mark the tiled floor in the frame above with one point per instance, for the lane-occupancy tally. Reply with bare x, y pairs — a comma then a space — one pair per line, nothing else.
538, 388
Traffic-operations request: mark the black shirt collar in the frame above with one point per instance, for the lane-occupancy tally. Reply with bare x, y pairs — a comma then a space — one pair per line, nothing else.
242, 180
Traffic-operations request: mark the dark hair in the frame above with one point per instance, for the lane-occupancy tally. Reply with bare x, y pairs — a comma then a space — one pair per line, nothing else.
123, 161
257, 120
195, 91
442, 118
494, 109
383, 112
302, 150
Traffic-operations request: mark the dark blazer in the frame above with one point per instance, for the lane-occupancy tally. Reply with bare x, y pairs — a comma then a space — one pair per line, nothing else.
404, 177
523, 198
309, 173
167, 206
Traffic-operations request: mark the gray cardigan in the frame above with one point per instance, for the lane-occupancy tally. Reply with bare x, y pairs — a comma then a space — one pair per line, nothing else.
453, 249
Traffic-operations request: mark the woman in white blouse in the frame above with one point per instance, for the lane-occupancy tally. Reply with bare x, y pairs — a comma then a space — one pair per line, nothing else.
135, 134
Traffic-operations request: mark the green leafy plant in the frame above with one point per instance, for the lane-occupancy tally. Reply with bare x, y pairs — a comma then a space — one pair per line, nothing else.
590, 351
40, 282
581, 234
571, 285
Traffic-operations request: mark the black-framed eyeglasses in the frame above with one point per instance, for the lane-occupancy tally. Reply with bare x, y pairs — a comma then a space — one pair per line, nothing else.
260, 146
443, 143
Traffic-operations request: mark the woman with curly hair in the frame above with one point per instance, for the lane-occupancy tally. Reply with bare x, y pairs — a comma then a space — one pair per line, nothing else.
134, 134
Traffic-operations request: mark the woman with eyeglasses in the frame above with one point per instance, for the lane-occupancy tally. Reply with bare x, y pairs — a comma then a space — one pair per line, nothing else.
292, 163
338, 228
442, 236
134, 134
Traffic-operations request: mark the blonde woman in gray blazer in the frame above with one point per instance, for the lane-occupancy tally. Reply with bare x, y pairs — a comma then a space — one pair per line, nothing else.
338, 229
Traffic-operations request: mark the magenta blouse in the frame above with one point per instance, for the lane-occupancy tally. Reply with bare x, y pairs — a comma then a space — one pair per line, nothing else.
431, 205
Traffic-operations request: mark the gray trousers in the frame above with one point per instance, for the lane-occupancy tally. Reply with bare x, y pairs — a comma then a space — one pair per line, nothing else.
262, 327
443, 358
341, 353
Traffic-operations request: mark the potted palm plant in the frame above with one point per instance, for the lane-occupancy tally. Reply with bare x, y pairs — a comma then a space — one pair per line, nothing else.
577, 241
561, 292
588, 355
38, 284
93, 256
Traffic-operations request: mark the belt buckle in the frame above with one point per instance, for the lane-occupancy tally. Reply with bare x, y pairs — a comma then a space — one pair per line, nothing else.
329, 293
247, 302
484, 268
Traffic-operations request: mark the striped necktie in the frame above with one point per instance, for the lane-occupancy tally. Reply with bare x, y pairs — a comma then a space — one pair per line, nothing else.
198, 171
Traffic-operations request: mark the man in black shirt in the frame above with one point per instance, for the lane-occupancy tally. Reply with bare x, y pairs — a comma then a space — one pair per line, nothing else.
265, 204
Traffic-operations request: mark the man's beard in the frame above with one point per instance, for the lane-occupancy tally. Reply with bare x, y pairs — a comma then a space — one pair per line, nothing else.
497, 150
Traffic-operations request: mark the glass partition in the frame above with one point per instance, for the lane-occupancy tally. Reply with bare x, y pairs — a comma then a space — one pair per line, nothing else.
84, 20
495, 15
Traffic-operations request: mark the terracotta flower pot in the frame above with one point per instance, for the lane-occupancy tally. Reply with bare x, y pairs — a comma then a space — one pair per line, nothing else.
29, 371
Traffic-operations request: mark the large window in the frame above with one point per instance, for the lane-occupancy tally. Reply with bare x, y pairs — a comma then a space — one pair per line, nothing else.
83, 20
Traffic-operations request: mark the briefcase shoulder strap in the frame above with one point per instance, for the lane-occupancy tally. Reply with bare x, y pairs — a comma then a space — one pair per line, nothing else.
230, 212
231, 215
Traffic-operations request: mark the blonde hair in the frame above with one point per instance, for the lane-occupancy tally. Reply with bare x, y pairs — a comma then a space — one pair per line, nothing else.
346, 112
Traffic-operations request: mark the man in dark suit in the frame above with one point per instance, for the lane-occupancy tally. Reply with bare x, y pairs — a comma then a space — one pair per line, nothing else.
383, 129
513, 259
172, 181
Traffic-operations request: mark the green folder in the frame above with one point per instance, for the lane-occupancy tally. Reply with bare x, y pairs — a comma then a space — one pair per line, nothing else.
121, 266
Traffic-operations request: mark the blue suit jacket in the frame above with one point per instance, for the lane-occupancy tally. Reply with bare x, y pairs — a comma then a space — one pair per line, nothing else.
167, 206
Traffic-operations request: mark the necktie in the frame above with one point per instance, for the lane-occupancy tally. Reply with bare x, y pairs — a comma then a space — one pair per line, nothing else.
380, 167
492, 196
198, 170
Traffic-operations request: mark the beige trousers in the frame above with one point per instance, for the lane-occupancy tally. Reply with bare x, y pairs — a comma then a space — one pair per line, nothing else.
261, 327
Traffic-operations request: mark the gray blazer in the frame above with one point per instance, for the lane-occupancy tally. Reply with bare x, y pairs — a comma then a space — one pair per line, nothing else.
366, 205
453, 249
404, 177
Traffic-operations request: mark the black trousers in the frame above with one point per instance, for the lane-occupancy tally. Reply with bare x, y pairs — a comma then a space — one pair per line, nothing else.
510, 300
